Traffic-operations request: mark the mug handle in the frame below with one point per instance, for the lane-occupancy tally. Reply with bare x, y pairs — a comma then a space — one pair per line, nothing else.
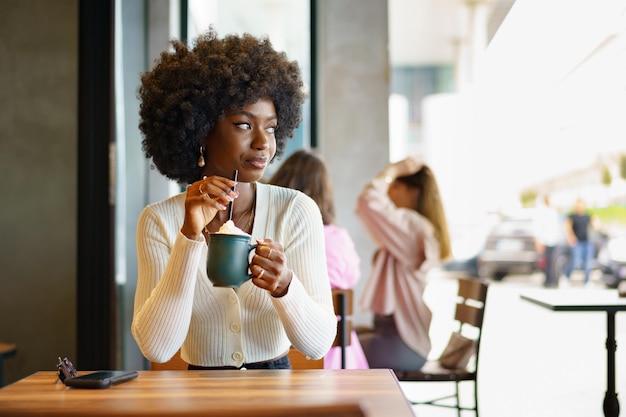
254, 246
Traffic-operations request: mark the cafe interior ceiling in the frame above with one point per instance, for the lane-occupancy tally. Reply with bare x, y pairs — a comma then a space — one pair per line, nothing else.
426, 32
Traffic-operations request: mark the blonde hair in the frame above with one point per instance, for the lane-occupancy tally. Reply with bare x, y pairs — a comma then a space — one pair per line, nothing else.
430, 205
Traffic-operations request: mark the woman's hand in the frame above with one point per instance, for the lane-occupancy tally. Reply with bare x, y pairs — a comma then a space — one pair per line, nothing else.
269, 268
203, 200
406, 166
411, 165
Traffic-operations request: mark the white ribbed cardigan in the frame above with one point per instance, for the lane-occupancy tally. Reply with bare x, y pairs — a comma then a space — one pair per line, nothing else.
177, 307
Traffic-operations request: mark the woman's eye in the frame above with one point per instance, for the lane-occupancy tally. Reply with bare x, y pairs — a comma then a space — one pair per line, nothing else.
243, 125
271, 129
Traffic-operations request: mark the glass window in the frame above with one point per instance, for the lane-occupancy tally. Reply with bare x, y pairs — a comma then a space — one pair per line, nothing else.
285, 22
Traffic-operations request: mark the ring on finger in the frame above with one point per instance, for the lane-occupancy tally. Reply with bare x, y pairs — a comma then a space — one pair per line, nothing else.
261, 274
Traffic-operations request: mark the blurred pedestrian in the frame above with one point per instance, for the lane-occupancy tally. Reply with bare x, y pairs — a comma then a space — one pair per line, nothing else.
306, 171
579, 227
403, 212
548, 233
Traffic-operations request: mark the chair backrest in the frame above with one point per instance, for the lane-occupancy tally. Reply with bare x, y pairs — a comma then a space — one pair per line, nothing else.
343, 305
299, 360
342, 301
470, 308
472, 295
174, 364
6, 350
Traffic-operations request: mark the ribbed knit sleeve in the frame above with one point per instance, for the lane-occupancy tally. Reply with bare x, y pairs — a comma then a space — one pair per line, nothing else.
306, 311
165, 285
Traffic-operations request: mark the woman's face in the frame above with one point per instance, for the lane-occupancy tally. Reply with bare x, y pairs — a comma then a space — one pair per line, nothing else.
402, 195
243, 140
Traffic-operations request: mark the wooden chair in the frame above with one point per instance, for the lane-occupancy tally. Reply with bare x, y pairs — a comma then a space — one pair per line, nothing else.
470, 311
174, 364
342, 302
299, 360
6, 350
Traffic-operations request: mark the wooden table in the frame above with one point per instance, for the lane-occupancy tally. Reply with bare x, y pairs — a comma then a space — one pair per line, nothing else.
350, 393
604, 300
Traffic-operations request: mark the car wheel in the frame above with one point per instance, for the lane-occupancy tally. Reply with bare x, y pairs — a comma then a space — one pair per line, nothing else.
611, 282
498, 276
560, 262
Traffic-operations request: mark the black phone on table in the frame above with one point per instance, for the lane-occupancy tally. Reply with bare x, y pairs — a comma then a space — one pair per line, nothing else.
100, 379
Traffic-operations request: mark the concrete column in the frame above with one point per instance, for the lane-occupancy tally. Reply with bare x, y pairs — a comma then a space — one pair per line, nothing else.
353, 121
473, 42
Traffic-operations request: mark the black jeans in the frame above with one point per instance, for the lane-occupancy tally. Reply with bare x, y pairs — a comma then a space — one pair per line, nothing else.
280, 363
552, 280
384, 348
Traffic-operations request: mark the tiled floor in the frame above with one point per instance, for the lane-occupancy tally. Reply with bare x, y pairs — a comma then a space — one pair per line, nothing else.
534, 362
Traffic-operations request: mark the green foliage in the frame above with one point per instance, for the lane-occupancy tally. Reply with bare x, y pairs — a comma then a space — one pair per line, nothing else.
607, 178
610, 214
528, 198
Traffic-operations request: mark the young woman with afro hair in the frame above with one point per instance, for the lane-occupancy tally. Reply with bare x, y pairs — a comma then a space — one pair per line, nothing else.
227, 104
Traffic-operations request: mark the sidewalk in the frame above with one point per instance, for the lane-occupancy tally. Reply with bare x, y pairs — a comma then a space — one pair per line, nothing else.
534, 362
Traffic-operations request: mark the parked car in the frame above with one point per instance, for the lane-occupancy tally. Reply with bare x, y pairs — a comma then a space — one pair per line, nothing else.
468, 266
612, 261
510, 249
468, 240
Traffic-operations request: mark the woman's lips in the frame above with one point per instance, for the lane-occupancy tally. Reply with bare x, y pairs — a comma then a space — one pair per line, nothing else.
258, 163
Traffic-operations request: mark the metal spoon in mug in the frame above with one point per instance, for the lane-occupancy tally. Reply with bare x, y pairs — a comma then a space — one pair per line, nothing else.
230, 205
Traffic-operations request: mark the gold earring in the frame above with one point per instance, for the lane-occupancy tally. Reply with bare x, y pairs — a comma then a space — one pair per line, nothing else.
201, 159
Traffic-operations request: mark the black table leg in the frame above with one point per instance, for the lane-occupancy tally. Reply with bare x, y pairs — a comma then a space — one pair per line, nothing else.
611, 403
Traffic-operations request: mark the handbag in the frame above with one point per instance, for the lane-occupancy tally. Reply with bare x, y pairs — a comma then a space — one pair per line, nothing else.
458, 352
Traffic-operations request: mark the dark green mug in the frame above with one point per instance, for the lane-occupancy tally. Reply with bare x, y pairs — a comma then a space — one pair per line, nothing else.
228, 263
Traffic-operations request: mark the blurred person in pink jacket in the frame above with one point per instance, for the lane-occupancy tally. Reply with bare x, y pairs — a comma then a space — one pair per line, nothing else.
403, 212
306, 171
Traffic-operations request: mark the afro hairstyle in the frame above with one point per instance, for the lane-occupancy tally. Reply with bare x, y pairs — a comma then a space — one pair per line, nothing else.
189, 90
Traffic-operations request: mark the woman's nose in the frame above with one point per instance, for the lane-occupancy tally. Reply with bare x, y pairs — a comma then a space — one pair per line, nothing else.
260, 140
